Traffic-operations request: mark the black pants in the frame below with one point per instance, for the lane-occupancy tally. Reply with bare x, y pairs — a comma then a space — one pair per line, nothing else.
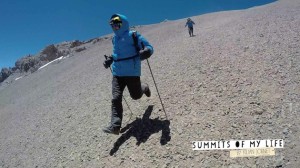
136, 90
191, 31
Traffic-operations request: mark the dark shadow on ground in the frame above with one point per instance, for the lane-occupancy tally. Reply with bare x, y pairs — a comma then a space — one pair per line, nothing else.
142, 129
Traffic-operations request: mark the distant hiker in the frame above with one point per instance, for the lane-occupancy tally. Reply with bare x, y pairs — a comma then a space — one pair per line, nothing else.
190, 24
126, 67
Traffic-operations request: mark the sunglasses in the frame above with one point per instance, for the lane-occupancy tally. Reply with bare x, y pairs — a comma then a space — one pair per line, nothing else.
115, 23
116, 26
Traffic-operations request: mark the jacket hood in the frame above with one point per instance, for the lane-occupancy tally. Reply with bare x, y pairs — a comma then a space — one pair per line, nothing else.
124, 27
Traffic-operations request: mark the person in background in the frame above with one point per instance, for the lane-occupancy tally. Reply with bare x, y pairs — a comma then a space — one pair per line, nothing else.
190, 24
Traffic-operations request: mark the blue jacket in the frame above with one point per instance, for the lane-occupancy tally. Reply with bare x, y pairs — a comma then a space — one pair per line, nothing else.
123, 47
189, 23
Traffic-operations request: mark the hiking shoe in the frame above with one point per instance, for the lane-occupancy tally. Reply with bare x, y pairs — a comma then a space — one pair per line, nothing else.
147, 91
111, 130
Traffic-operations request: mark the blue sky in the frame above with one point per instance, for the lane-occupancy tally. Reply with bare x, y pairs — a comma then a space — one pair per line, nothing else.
27, 26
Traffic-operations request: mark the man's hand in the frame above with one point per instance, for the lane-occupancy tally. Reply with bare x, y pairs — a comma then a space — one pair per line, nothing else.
145, 53
108, 62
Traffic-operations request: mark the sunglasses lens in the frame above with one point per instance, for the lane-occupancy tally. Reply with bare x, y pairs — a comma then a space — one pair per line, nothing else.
116, 26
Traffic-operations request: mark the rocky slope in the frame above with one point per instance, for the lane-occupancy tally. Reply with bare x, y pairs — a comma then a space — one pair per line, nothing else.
237, 79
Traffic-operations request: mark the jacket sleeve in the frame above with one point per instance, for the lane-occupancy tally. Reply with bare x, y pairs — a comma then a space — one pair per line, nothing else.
144, 43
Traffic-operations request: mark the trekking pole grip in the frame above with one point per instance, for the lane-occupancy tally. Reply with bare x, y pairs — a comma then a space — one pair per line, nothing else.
105, 56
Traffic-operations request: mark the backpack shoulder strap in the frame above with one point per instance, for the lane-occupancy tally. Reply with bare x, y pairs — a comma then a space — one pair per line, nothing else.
135, 41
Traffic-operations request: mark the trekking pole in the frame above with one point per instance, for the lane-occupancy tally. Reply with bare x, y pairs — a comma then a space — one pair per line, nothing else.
143, 46
122, 96
157, 89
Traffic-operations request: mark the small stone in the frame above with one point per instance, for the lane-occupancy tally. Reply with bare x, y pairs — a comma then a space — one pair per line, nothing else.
279, 163
285, 131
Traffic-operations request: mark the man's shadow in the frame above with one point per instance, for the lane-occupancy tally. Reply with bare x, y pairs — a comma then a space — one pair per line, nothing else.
142, 129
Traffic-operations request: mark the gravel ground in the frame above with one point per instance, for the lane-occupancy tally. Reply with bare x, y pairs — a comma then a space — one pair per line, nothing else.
236, 79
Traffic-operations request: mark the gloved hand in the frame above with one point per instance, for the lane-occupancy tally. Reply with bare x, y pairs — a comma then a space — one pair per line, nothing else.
145, 53
108, 62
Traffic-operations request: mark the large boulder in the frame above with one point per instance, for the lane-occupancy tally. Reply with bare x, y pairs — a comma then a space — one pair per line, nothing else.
27, 63
49, 53
5, 73
76, 43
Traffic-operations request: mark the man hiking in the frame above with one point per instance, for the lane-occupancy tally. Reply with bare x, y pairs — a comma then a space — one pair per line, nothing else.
190, 24
129, 49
